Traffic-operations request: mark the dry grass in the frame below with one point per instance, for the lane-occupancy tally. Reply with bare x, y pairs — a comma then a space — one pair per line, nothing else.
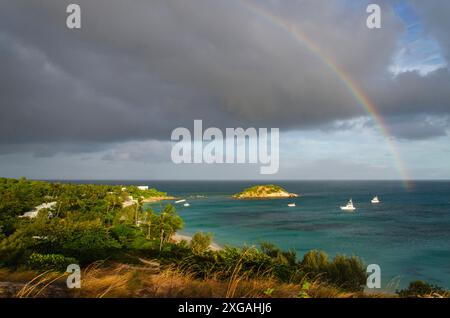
118, 280
444, 294
101, 281
37, 287
172, 283
16, 276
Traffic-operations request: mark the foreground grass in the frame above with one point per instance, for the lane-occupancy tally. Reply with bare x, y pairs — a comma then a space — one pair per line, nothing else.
120, 280
116, 280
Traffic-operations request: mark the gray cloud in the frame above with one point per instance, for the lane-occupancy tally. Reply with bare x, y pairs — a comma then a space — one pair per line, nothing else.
435, 14
145, 151
419, 127
138, 69
410, 93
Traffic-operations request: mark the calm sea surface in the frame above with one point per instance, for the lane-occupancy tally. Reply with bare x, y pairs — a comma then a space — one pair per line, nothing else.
407, 234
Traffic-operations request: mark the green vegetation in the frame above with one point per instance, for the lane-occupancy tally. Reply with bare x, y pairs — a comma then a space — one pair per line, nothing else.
89, 224
263, 191
200, 243
269, 188
347, 273
145, 194
50, 262
422, 289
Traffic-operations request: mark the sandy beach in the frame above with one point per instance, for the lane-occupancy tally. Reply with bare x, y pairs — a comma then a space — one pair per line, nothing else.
156, 199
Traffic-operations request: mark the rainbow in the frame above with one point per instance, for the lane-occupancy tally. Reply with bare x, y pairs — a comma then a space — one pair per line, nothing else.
356, 92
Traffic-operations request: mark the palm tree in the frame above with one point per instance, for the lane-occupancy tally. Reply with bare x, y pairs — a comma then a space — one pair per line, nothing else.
149, 219
138, 209
161, 229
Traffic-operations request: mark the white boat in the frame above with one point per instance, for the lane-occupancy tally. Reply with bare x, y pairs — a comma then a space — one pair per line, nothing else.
291, 205
375, 200
186, 204
349, 206
180, 201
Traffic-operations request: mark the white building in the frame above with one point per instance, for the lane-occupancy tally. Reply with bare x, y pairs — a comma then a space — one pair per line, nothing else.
34, 213
143, 187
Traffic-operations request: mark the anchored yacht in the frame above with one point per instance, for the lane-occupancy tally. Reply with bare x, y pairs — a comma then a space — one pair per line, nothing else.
349, 206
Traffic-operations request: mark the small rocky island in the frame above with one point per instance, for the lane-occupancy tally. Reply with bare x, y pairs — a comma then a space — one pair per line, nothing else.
268, 191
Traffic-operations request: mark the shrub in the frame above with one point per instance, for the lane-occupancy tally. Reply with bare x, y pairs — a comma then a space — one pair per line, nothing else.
14, 249
50, 261
171, 254
279, 256
125, 233
141, 243
315, 263
347, 273
419, 288
91, 244
249, 259
200, 243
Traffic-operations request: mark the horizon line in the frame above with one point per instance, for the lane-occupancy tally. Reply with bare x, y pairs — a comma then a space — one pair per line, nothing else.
225, 180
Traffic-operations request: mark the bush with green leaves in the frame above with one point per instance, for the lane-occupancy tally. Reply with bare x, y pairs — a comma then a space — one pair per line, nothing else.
90, 244
249, 259
419, 288
284, 262
200, 243
140, 243
348, 273
56, 262
278, 255
315, 263
15, 248
126, 233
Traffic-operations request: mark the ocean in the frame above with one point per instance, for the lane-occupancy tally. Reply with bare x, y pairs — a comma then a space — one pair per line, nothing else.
407, 234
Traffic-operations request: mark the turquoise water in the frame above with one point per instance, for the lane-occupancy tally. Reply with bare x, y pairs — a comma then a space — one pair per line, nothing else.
408, 234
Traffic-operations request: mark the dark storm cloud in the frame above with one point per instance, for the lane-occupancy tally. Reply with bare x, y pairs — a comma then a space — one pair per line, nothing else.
138, 69
410, 93
115, 100
145, 151
419, 127
43, 149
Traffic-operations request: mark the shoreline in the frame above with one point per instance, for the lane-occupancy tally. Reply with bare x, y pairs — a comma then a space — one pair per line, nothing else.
182, 237
157, 199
